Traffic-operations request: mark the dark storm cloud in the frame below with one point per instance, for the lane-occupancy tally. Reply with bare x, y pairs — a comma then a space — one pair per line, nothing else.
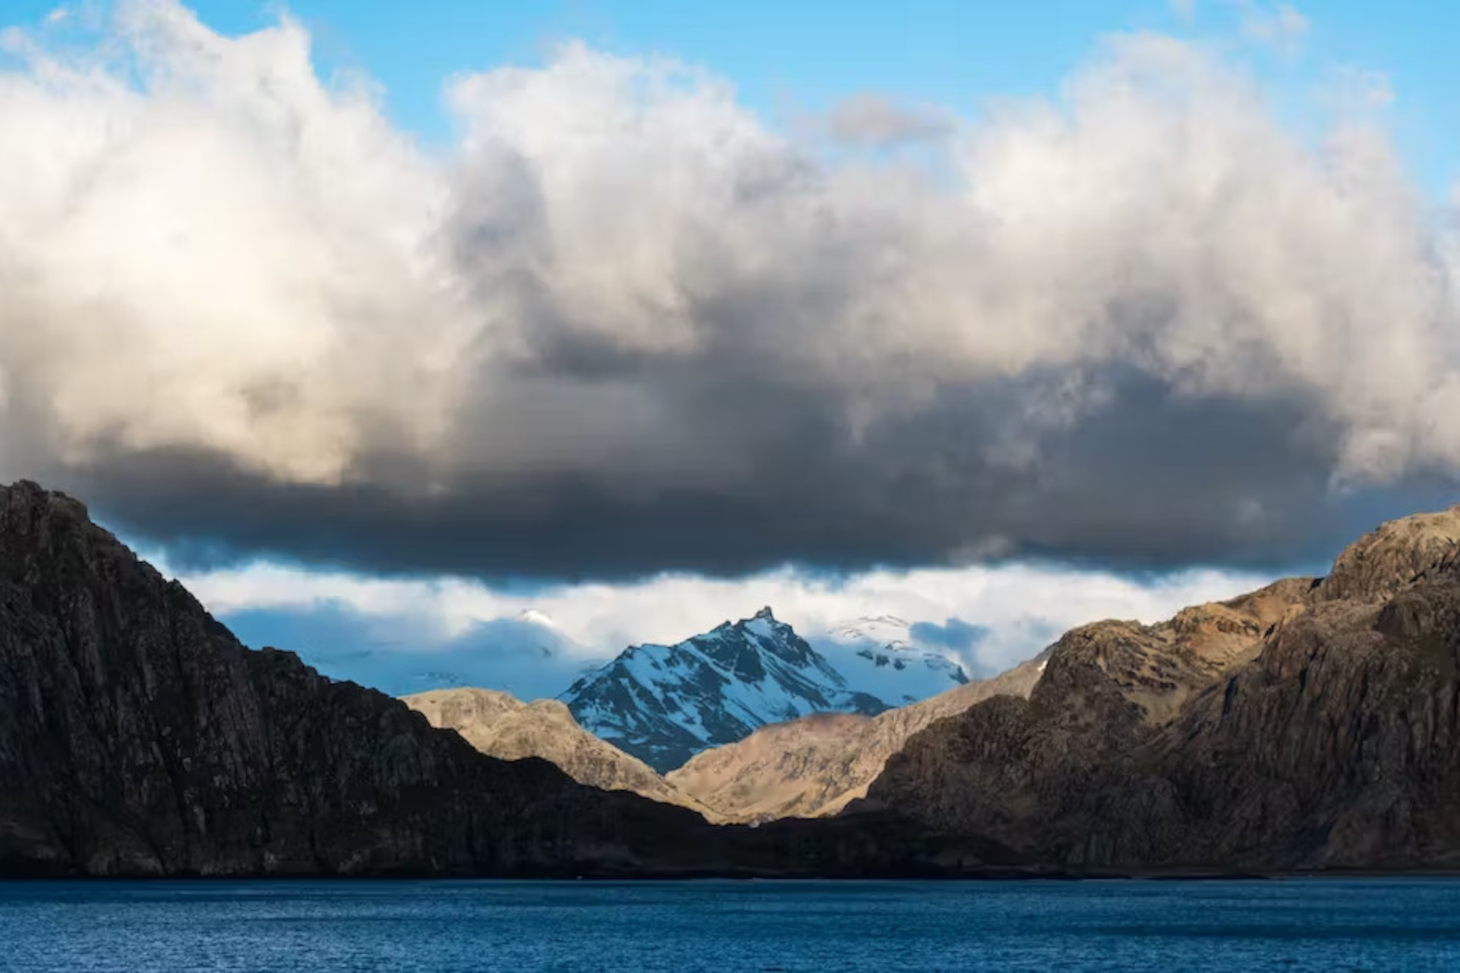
1151, 482
626, 328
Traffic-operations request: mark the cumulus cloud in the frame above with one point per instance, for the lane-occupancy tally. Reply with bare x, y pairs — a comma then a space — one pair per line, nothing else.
624, 325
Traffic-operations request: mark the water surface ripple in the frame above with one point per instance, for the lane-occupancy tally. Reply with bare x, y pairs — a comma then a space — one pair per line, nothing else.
772, 927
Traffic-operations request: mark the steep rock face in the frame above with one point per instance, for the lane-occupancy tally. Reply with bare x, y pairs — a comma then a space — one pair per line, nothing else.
138, 736
500, 725
1323, 736
665, 703
815, 765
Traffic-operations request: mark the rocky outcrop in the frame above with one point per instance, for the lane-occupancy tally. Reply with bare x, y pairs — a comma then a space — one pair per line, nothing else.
1394, 556
1307, 725
816, 765
500, 725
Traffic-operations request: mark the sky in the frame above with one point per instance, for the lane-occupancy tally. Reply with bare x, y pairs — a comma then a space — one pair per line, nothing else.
381, 325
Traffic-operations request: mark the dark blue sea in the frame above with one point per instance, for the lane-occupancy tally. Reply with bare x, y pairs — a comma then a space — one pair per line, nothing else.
785, 927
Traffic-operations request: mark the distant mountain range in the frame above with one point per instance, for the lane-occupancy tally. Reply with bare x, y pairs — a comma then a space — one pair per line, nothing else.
665, 703
1308, 725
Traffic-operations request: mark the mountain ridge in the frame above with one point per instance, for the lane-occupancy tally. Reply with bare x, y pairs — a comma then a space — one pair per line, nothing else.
1322, 735
500, 725
816, 765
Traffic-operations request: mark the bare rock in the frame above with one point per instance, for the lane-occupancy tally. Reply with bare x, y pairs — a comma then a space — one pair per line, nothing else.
500, 725
1394, 556
1303, 726
816, 765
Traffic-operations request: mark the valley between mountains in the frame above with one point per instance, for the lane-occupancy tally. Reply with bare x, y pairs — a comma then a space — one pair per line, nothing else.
1311, 724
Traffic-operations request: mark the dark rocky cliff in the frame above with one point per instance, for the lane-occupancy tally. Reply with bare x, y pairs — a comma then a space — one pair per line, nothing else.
138, 736
1310, 725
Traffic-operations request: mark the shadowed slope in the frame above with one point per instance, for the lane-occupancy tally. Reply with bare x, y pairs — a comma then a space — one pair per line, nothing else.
1324, 736
138, 736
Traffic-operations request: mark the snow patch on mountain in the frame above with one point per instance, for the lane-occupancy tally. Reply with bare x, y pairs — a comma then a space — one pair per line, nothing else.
877, 654
665, 703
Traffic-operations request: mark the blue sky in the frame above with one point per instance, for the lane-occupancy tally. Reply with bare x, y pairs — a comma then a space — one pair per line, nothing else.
1114, 356
787, 58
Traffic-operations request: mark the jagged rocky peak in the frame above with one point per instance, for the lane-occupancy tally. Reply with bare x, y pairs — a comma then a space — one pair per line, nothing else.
665, 703
1396, 554
725, 643
27, 494
40, 520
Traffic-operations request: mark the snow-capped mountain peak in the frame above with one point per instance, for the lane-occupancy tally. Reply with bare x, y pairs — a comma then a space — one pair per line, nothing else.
878, 654
888, 630
664, 703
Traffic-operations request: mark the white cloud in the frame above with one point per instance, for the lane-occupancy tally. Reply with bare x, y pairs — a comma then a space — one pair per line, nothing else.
1281, 25
238, 257
207, 250
1023, 606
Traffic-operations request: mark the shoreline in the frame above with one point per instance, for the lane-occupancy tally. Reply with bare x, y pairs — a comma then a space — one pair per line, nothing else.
745, 876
